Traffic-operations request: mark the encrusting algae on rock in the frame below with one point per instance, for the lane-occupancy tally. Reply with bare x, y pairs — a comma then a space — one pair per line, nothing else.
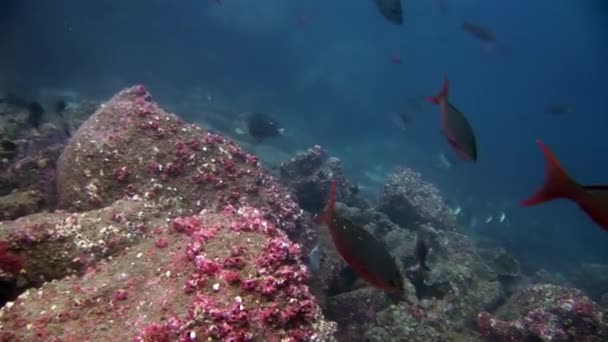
205, 253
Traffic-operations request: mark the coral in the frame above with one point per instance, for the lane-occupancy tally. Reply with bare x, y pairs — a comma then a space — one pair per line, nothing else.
545, 312
409, 200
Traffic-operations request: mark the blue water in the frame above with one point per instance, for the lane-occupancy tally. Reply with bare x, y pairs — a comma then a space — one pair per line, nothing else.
331, 82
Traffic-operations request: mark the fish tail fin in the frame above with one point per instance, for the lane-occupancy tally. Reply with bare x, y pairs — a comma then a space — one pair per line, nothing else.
443, 94
557, 183
328, 213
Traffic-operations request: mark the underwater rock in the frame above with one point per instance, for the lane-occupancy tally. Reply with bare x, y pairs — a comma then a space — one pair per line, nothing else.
54, 245
353, 310
409, 200
131, 147
36, 151
543, 276
591, 278
230, 276
20, 203
405, 322
440, 307
505, 266
309, 175
547, 313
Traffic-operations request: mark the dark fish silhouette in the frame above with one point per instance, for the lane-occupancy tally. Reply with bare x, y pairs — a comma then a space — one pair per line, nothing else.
558, 109
366, 255
455, 126
592, 199
391, 10
487, 36
479, 32
261, 126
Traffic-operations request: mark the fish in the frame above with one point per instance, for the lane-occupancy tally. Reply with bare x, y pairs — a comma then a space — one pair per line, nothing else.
402, 119
443, 161
482, 33
9, 262
391, 10
559, 109
489, 219
502, 217
443, 6
457, 211
261, 126
455, 126
485, 35
314, 259
591, 199
362, 251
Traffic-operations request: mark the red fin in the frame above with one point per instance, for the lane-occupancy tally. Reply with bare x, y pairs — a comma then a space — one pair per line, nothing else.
328, 213
557, 182
443, 94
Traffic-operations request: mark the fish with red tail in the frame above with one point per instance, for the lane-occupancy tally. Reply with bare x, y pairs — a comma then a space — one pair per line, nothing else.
366, 255
454, 125
592, 199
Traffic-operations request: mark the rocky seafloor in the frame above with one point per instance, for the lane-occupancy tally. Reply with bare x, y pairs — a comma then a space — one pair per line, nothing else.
142, 227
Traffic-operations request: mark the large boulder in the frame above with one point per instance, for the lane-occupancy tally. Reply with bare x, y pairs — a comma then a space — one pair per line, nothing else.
131, 147
409, 200
231, 276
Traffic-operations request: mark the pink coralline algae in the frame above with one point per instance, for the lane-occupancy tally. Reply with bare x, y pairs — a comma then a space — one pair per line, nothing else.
161, 242
160, 234
121, 174
9, 262
548, 313
274, 296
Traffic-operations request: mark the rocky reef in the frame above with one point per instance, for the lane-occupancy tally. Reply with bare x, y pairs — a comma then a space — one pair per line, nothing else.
410, 200
545, 313
142, 227
163, 232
